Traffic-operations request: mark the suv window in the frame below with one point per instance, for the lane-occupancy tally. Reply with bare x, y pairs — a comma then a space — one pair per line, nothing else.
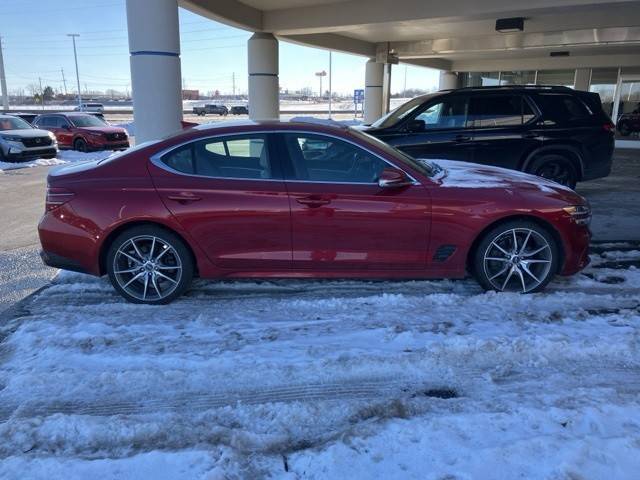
450, 113
562, 107
499, 111
235, 157
318, 158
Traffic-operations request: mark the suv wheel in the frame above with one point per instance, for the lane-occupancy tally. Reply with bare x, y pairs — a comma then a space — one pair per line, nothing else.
80, 144
518, 256
555, 167
148, 264
624, 129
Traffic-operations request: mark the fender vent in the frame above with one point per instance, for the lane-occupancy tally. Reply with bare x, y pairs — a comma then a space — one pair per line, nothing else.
443, 253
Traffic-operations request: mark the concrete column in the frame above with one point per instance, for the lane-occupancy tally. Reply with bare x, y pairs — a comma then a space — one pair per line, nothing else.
582, 79
373, 84
154, 45
264, 89
448, 80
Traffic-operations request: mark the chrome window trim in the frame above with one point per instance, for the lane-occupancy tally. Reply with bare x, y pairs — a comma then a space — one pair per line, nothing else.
156, 159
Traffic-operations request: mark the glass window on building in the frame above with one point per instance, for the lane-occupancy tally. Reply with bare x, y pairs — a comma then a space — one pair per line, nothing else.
519, 77
480, 79
557, 77
603, 82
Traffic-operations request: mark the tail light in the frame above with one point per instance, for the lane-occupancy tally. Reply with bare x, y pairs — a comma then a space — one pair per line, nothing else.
57, 196
609, 127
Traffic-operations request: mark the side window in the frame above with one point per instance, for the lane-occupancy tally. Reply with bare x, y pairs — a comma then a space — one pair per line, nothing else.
58, 122
561, 107
236, 157
317, 158
451, 113
499, 111
44, 121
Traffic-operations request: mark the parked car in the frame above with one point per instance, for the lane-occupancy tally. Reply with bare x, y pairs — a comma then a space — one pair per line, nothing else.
212, 109
27, 117
90, 107
554, 132
83, 131
19, 141
239, 110
275, 199
629, 123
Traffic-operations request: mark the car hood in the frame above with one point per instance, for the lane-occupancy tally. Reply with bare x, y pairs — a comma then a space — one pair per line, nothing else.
26, 133
454, 174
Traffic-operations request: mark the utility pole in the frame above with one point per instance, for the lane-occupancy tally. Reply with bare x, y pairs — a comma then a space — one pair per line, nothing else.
233, 78
3, 81
330, 91
404, 92
64, 82
75, 56
41, 93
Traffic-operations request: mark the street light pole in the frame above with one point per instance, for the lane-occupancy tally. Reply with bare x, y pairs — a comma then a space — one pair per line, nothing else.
75, 56
330, 90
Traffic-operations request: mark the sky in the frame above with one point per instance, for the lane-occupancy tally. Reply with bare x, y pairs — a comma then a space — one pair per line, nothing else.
35, 45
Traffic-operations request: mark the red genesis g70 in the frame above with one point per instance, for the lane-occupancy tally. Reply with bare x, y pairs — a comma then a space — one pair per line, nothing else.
239, 200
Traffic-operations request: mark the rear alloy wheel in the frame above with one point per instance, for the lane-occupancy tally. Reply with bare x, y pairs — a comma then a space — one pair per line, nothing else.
80, 144
624, 129
557, 168
149, 265
518, 256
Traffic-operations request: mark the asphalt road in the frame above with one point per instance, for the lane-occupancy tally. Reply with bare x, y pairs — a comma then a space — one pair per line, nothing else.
615, 201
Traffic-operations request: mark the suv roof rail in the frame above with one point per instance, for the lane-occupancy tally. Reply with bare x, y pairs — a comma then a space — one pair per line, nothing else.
512, 87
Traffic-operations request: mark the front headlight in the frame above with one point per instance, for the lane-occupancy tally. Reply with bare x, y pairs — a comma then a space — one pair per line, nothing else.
581, 214
52, 136
11, 138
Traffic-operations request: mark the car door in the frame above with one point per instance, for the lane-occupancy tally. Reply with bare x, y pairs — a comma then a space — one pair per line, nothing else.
436, 130
504, 130
64, 130
342, 220
228, 193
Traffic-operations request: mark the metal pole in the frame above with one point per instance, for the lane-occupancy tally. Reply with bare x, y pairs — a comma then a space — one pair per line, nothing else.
64, 81
41, 93
3, 81
330, 91
75, 56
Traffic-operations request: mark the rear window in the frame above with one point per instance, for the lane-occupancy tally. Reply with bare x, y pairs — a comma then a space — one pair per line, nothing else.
561, 107
499, 111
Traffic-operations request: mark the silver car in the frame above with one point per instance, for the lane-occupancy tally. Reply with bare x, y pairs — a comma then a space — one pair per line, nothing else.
19, 141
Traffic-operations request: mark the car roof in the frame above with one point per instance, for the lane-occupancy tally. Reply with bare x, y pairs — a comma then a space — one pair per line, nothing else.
249, 125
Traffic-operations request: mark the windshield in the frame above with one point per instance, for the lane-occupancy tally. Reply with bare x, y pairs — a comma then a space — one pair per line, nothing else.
426, 167
13, 123
401, 112
87, 121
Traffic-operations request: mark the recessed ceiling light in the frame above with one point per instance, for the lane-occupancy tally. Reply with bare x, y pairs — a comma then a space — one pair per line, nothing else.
510, 25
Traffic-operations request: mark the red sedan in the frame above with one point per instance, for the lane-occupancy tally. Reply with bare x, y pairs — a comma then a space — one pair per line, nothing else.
304, 200
83, 131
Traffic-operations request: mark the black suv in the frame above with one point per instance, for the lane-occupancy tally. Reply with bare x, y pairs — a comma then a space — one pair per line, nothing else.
554, 132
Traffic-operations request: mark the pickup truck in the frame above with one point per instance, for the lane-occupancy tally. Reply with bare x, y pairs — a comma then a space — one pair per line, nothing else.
211, 108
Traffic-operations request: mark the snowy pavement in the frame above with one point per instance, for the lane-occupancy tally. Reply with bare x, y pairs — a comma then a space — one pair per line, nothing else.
64, 156
335, 379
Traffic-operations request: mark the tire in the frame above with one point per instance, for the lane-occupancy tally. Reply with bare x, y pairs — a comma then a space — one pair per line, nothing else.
534, 264
80, 144
137, 279
624, 129
556, 167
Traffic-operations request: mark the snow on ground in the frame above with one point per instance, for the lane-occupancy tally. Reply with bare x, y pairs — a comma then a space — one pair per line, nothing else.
328, 380
64, 156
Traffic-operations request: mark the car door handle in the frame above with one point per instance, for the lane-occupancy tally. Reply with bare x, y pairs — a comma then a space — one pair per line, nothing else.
184, 198
313, 202
462, 138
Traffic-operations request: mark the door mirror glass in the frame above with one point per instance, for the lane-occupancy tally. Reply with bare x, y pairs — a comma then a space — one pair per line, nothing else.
393, 178
416, 126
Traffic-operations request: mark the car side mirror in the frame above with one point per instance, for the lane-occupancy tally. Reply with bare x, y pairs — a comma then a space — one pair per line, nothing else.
416, 126
393, 178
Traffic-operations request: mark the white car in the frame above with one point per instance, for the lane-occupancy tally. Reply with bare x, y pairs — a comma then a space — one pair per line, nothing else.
90, 107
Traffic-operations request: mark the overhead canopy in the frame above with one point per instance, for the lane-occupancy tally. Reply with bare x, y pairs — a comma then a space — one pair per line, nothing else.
451, 35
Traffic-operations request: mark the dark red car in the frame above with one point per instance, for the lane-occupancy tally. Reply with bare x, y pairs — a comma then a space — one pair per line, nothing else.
304, 200
83, 131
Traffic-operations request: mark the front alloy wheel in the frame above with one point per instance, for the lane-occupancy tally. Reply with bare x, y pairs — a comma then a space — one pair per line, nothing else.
149, 265
518, 257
